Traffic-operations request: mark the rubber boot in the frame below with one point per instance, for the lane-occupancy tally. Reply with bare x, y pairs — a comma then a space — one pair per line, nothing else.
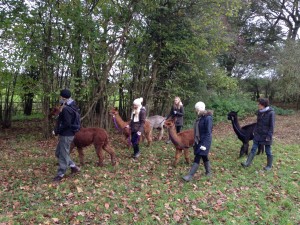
207, 168
249, 160
269, 162
191, 173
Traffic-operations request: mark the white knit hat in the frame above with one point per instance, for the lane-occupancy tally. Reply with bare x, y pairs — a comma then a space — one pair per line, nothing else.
138, 101
200, 106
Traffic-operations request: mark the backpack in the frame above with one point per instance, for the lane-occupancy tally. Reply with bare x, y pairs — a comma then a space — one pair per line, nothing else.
75, 126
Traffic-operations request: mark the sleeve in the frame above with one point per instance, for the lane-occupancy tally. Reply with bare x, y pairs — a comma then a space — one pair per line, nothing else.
207, 132
272, 124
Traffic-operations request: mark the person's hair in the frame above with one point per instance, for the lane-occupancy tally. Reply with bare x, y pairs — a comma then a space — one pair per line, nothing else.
263, 101
179, 103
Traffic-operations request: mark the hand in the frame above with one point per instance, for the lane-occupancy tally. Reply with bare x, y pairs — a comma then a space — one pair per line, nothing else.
127, 126
268, 138
203, 148
139, 133
175, 112
53, 132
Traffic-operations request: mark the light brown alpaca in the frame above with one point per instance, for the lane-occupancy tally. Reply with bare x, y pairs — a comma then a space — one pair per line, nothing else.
123, 127
96, 136
182, 141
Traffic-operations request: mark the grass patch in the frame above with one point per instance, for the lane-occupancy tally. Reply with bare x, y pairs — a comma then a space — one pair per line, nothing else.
148, 190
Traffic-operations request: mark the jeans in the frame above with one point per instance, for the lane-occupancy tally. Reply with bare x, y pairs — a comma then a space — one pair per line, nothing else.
135, 142
198, 157
267, 149
63, 154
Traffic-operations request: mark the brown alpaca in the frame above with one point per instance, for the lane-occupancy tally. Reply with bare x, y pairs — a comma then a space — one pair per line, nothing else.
87, 136
123, 127
182, 141
96, 136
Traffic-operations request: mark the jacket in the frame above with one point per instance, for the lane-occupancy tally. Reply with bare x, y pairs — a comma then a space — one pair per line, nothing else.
138, 126
205, 124
65, 119
263, 132
179, 115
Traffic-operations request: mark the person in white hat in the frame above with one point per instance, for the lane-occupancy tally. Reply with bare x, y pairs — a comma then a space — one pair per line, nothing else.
202, 140
137, 122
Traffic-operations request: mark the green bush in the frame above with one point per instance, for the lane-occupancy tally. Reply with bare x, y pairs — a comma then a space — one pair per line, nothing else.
283, 112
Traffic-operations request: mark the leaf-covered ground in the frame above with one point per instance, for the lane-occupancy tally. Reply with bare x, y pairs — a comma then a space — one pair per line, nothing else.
149, 190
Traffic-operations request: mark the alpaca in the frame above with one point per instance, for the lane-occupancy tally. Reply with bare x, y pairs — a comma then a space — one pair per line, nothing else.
244, 134
182, 141
96, 136
87, 136
157, 122
123, 127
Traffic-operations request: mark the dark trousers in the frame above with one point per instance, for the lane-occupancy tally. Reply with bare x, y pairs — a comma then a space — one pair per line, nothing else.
198, 157
135, 142
178, 129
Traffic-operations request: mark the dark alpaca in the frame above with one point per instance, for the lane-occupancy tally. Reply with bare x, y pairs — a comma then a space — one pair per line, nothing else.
182, 141
244, 134
123, 127
88, 136
96, 136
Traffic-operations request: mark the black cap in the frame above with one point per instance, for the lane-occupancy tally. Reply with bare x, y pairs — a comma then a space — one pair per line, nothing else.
65, 93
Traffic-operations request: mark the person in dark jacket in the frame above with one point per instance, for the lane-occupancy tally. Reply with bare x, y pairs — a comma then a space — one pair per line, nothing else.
137, 122
263, 132
66, 135
177, 111
202, 140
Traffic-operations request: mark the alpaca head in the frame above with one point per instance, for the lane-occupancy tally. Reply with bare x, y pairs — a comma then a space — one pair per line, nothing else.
232, 115
53, 112
113, 111
170, 122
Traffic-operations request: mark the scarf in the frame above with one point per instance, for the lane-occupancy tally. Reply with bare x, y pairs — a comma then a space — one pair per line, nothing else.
264, 110
135, 114
196, 131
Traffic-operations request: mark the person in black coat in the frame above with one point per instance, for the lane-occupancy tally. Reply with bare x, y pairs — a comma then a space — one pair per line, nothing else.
263, 132
202, 140
66, 135
177, 111
137, 122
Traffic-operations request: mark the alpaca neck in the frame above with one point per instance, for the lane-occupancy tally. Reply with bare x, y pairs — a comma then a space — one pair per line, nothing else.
173, 136
237, 128
119, 121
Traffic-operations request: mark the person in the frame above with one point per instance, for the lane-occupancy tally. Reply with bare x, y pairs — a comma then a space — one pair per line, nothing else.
137, 122
65, 135
177, 111
202, 140
263, 132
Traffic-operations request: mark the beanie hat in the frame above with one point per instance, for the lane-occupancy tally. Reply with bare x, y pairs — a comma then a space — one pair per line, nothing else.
200, 106
65, 93
138, 101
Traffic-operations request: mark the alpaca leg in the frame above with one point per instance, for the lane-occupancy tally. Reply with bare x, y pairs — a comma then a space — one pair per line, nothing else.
100, 155
177, 156
242, 150
111, 152
81, 155
161, 133
149, 138
186, 156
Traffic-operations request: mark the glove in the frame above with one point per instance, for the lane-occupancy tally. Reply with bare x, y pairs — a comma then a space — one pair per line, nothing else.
203, 148
175, 112
139, 133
